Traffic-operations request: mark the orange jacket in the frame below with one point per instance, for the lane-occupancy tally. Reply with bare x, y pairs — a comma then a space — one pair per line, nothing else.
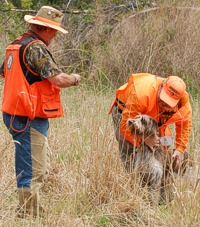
41, 99
140, 96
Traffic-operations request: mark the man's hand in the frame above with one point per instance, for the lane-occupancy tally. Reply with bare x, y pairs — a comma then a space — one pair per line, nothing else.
177, 158
63, 80
77, 79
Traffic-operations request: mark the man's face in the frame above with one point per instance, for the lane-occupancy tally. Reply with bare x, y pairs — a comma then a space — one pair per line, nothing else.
163, 104
51, 33
165, 107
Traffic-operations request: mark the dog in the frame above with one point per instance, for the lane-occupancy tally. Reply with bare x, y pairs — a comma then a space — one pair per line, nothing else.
153, 167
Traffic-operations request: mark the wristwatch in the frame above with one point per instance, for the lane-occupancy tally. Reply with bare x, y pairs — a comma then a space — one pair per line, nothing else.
75, 80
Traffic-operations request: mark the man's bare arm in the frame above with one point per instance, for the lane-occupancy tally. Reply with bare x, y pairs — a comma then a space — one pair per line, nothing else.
63, 80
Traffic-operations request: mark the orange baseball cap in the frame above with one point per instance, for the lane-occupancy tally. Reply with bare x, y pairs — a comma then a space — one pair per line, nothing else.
173, 90
49, 17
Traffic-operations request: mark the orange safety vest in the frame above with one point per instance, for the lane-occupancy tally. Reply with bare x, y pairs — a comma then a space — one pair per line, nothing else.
40, 99
139, 96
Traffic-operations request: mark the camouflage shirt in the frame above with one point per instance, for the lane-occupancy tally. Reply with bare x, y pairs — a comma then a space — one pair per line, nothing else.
39, 60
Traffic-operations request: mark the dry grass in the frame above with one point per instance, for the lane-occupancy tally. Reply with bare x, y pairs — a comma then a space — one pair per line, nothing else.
162, 41
87, 185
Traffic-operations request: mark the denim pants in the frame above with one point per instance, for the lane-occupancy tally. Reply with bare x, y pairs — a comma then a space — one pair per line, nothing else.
31, 158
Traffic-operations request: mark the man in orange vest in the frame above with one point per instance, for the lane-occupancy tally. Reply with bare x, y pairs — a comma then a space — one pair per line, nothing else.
164, 99
31, 96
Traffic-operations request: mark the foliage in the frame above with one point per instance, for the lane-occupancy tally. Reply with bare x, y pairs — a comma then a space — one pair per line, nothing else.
26, 4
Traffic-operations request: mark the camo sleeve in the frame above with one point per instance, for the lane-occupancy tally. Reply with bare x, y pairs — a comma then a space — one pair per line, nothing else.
40, 60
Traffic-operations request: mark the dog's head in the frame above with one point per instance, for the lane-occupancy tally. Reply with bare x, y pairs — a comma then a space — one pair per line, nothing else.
142, 125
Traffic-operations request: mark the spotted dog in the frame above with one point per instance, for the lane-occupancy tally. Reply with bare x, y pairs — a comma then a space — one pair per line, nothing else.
152, 166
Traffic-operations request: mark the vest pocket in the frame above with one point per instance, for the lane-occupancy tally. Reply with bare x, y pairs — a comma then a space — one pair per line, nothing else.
51, 105
48, 100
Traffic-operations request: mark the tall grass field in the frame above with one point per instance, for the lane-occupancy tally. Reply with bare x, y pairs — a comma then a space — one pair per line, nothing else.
87, 185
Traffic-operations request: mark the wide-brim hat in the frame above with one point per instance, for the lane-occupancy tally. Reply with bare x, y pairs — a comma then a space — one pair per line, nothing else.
173, 90
47, 16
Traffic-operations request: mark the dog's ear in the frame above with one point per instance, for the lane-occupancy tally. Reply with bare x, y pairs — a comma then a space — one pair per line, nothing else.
134, 125
145, 120
130, 122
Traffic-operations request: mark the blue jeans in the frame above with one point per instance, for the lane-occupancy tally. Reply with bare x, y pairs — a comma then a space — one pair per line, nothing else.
30, 139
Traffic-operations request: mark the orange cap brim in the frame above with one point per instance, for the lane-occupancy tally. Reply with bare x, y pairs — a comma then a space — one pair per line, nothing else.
167, 99
33, 20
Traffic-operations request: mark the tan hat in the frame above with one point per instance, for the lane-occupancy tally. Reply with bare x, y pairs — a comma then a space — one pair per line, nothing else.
173, 90
47, 16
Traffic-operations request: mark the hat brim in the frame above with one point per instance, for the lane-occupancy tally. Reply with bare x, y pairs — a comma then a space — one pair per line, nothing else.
167, 99
32, 20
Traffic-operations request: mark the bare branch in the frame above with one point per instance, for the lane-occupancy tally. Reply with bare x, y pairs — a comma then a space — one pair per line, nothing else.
6, 20
35, 11
6, 2
104, 9
68, 3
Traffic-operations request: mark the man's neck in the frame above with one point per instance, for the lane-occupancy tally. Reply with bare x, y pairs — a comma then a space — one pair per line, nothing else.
36, 35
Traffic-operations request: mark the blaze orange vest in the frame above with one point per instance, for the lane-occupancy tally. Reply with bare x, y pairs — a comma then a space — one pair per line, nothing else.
141, 92
40, 99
